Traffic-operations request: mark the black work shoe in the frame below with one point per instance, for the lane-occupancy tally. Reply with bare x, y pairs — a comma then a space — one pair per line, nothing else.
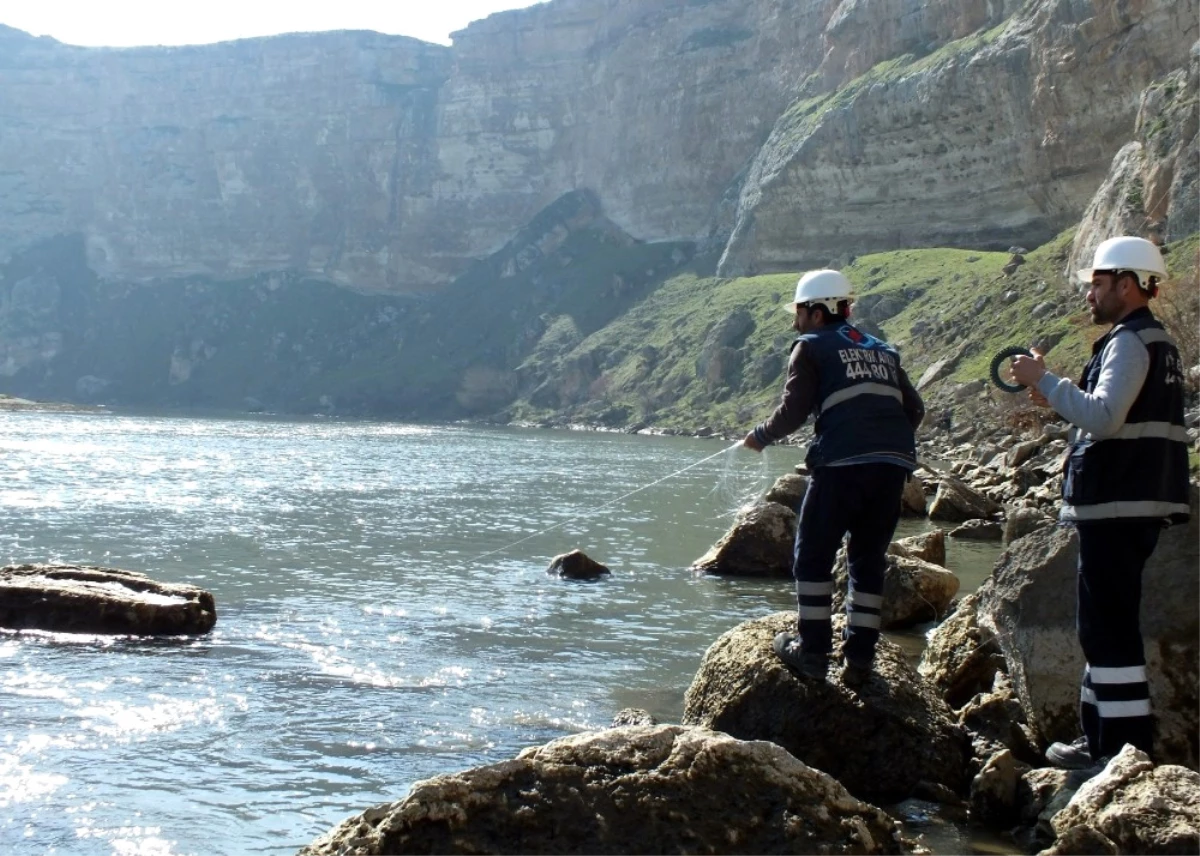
856, 672
808, 664
1070, 756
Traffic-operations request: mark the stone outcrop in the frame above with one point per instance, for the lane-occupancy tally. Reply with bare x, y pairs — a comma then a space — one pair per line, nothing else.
743, 690
1153, 185
921, 132
86, 599
759, 544
928, 547
663, 789
1134, 805
1028, 606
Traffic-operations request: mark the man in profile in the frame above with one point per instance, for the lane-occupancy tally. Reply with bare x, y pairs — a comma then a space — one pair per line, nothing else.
863, 451
1126, 477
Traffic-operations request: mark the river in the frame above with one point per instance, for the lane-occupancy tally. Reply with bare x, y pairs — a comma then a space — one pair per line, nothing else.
384, 613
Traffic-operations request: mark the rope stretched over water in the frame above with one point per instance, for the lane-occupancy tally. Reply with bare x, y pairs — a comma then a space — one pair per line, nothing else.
607, 504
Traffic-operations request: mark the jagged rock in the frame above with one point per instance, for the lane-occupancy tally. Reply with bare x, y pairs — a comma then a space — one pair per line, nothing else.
955, 502
960, 658
1081, 841
978, 530
1141, 808
928, 546
1028, 604
1019, 522
995, 722
914, 591
912, 501
788, 491
663, 789
576, 565
759, 544
1022, 452
633, 716
89, 599
742, 689
994, 789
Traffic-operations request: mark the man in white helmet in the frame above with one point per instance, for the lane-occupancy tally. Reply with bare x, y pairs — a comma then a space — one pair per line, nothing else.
863, 451
1125, 478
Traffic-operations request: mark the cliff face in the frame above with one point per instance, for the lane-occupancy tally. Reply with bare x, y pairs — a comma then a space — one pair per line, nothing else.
998, 138
308, 153
787, 132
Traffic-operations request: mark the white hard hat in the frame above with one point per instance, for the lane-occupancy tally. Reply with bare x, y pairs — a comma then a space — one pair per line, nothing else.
826, 286
1126, 253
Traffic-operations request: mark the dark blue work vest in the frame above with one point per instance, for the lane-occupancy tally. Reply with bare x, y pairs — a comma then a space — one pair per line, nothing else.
859, 404
1142, 470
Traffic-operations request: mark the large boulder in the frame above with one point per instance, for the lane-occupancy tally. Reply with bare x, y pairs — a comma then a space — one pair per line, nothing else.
884, 740
759, 544
1028, 604
912, 500
88, 599
788, 491
961, 658
928, 546
914, 591
955, 502
660, 789
1137, 806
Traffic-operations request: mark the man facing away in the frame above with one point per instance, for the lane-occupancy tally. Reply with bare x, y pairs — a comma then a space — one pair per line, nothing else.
1126, 476
863, 451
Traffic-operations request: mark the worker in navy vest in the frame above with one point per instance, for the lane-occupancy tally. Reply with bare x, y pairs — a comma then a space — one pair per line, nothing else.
1126, 476
863, 451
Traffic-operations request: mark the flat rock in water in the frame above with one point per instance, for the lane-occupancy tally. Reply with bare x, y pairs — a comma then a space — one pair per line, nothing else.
85, 599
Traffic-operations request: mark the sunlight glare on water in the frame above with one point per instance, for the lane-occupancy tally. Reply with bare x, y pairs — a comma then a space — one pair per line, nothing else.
375, 627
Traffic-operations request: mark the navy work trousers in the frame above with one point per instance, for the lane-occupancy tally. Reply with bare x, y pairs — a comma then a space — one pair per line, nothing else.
864, 501
1114, 700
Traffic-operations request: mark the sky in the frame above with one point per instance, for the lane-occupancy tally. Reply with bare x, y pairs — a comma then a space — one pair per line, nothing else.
126, 23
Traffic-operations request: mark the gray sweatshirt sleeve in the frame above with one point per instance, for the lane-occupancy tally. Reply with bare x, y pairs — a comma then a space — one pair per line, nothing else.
1124, 364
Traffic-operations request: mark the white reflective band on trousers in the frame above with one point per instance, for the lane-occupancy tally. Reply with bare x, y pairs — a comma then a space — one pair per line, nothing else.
849, 392
1136, 508
871, 601
1118, 674
865, 619
815, 613
814, 589
1119, 709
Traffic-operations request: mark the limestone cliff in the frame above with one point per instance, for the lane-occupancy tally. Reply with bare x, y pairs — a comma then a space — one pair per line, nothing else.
785, 131
308, 153
997, 138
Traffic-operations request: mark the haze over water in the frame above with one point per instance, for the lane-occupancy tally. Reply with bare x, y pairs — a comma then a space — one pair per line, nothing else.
362, 644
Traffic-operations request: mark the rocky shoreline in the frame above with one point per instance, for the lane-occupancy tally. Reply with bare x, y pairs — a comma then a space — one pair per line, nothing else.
766, 762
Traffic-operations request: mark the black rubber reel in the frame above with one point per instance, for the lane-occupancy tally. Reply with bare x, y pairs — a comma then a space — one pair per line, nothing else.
1007, 354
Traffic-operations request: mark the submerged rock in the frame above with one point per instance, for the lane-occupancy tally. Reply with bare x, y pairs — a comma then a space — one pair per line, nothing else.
87, 599
883, 740
576, 565
663, 789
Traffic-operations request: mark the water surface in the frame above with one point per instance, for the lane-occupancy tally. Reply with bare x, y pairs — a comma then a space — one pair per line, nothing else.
384, 613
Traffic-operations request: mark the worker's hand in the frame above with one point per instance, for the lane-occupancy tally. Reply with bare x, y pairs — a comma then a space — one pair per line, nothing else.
1028, 370
751, 442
